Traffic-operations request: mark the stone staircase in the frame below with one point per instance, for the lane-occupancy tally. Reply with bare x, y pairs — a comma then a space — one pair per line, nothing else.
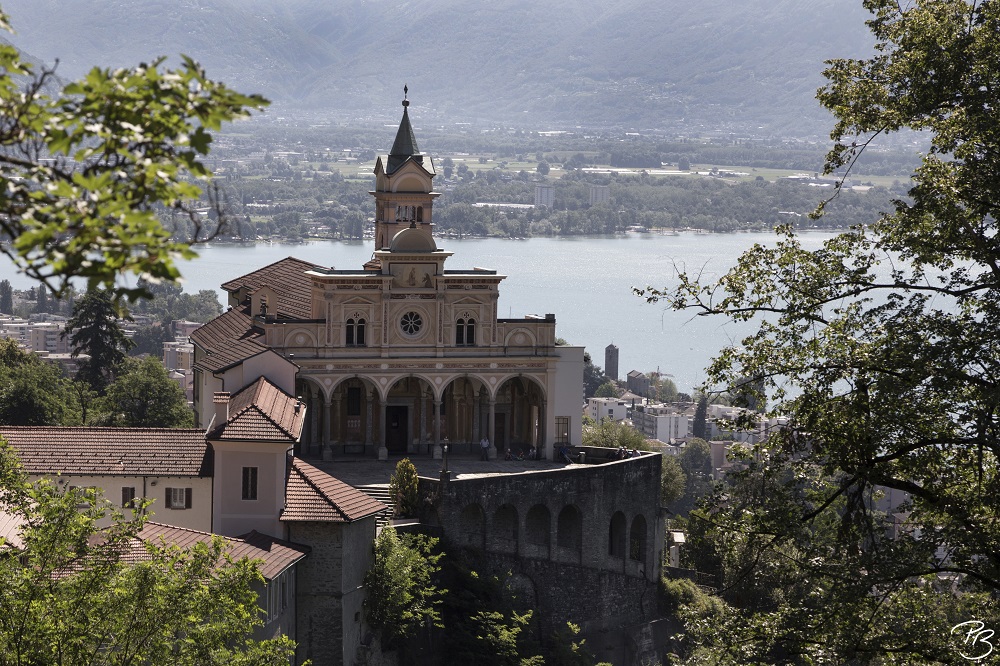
380, 491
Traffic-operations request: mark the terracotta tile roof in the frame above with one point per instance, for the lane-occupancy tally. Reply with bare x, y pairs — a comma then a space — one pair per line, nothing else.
111, 451
276, 555
288, 278
262, 411
230, 354
313, 495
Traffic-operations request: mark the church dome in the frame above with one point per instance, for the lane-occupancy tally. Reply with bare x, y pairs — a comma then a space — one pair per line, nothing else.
412, 240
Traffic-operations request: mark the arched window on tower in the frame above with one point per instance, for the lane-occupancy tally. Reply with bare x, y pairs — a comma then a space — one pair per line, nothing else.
465, 332
355, 332
420, 213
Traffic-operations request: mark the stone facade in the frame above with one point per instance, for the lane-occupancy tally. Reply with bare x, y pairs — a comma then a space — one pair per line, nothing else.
584, 543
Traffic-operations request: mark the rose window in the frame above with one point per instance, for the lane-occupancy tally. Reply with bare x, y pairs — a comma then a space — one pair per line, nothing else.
411, 323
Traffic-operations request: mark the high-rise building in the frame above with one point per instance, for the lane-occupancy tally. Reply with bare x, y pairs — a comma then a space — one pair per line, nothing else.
545, 195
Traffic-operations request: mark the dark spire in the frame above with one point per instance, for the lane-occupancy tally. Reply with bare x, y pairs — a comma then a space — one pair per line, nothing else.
405, 145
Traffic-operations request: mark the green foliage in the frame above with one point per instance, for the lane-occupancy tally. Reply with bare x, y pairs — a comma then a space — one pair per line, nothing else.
32, 391
695, 461
699, 426
606, 390
71, 597
878, 501
613, 434
404, 488
497, 635
144, 396
401, 595
6, 297
673, 481
85, 171
593, 376
168, 302
94, 330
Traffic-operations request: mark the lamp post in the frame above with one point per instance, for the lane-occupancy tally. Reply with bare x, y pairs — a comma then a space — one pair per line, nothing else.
445, 472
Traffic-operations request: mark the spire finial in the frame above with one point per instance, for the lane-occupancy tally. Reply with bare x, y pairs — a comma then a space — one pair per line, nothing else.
406, 91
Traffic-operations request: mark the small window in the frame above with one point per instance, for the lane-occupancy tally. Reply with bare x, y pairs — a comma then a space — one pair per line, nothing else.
355, 334
465, 332
562, 430
128, 497
249, 483
178, 498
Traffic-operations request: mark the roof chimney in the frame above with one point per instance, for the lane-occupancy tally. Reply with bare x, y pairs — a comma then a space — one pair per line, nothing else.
221, 400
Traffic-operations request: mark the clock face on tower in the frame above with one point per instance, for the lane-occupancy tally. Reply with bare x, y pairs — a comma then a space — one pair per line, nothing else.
411, 324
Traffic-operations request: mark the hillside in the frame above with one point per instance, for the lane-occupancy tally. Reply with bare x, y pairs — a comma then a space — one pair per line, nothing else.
752, 66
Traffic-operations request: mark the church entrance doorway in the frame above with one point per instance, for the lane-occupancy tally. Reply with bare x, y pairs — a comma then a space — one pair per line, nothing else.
396, 428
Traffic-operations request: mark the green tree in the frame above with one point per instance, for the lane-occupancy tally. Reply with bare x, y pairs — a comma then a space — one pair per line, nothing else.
401, 595
695, 461
673, 481
72, 595
613, 434
85, 170
880, 349
699, 426
94, 330
543, 168
33, 392
404, 488
42, 300
593, 376
148, 340
6, 297
606, 390
143, 396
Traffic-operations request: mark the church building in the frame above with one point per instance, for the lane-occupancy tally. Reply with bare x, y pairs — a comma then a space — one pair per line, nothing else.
401, 355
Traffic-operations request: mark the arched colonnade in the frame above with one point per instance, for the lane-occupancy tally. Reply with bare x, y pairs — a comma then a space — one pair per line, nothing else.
415, 414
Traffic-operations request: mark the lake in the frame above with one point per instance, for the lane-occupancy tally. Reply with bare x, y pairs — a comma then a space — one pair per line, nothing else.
586, 281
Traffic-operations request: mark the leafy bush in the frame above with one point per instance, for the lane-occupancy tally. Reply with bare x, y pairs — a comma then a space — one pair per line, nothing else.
404, 488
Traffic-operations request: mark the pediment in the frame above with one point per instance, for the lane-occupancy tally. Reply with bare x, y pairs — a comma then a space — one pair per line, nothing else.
467, 301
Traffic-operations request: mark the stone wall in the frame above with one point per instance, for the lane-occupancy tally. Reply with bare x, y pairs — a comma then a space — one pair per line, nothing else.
583, 543
328, 588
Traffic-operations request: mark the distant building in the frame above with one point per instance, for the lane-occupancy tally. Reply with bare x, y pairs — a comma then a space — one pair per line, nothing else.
611, 362
545, 195
48, 337
16, 329
662, 422
615, 409
178, 355
599, 194
637, 383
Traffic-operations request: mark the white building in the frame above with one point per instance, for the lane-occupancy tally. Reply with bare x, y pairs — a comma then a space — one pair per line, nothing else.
662, 422
614, 409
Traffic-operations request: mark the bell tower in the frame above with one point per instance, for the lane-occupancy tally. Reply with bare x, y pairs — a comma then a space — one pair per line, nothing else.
403, 191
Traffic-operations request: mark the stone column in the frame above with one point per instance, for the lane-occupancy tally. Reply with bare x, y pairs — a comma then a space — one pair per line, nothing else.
492, 429
383, 451
338, 423
423, 422
327, 450
544, 443
369, 423
476, 418
437, 430
315, 444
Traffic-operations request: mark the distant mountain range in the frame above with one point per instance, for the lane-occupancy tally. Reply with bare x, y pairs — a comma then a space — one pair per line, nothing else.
744, 66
